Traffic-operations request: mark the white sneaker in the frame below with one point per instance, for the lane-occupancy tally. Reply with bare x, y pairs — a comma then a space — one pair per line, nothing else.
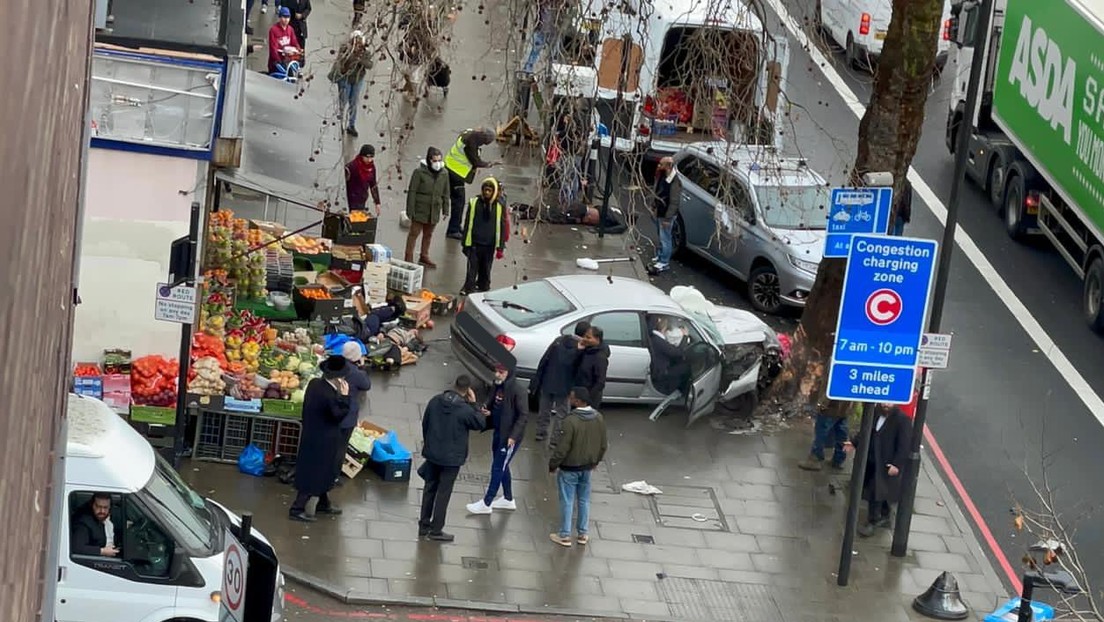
478, 507
264, 9
660, 267
502, 503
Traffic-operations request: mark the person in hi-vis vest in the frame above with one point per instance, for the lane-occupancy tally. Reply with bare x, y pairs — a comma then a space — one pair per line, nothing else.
461, 161
485, 229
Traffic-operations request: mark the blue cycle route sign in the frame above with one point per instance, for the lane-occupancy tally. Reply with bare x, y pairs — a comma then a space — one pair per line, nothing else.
886, 293
853, 211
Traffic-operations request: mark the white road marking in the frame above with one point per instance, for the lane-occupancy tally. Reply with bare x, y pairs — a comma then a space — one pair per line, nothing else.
1031, 326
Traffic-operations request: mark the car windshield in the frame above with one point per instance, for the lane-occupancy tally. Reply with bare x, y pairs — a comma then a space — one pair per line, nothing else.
706, 323
180, 509
529, 304
794, 207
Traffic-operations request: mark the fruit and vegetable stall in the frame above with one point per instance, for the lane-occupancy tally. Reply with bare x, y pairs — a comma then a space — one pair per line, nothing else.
267, 300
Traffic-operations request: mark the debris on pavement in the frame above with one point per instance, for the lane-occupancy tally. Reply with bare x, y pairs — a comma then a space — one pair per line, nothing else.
641, 488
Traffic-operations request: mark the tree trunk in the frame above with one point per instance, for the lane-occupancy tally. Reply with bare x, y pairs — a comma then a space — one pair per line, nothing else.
888, 135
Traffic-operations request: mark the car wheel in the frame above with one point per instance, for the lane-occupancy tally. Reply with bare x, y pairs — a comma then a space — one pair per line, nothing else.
850, 53
678, 235
764, 289
1013, 207
995, 181
1094, 295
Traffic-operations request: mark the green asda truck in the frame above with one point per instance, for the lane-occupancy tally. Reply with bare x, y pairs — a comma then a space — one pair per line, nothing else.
1037, 138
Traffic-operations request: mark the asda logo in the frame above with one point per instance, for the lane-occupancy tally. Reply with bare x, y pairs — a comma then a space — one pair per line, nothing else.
1045, 77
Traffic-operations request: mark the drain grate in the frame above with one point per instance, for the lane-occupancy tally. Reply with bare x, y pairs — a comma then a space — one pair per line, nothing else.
473, 478
478, 563
689, 507
641, 538
701, 599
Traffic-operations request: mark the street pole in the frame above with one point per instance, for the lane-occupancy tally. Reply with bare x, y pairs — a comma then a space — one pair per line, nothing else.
946, 249
626, 53
188, 277
854, 498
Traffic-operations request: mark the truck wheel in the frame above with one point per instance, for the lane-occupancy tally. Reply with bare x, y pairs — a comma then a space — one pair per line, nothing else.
954, 122
995, 181
850, 54
764, 289
1013, 207
1094, 295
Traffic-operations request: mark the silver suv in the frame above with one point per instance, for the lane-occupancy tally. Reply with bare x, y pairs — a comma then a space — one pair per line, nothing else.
755, 214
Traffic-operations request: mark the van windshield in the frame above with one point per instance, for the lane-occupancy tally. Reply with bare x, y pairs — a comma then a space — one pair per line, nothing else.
180, 509
794, 207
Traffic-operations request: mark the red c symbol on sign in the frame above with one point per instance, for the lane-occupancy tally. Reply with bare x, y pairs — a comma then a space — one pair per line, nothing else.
883, 307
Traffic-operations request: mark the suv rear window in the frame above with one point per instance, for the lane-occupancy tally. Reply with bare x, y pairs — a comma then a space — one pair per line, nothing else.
528, 304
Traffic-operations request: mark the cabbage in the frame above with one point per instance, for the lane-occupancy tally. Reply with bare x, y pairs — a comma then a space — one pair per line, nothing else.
292, 363
297, 396
306, 369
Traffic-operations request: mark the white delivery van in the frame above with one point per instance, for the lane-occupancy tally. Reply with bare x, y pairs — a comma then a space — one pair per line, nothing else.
169, 561
672, 43
860, 27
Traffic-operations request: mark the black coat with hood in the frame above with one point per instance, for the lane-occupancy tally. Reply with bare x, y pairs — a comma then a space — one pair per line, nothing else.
324, 408
447, 420
514, 415
557, 368
890, 445
591, 372
302, 7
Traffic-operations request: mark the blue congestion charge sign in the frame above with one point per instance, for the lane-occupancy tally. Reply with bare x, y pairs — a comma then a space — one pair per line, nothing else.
853, 211
886, 292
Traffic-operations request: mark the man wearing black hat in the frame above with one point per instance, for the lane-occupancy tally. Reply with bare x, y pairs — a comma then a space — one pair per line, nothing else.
325, 404
361, 179
426, 199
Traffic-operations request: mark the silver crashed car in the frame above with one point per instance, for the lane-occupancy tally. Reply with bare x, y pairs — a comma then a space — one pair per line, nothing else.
731, 352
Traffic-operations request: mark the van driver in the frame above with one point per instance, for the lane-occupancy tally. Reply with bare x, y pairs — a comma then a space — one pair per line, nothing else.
89, 528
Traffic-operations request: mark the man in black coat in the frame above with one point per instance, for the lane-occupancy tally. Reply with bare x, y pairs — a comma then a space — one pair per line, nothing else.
447, 420
507, 419
90, 527
593, 365
555, 376
889, 447
300, 10
325, 405
359, 383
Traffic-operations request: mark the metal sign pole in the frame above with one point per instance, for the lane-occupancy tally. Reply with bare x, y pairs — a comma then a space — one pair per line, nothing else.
912, 470
185, 340
854, 498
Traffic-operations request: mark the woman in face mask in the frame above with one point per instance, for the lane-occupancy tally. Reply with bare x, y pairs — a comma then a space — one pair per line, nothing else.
426, 200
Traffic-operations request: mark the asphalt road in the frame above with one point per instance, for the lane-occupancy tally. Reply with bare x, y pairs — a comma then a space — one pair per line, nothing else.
1002, 411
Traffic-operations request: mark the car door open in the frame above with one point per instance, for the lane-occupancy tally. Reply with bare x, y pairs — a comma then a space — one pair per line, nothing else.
705, 380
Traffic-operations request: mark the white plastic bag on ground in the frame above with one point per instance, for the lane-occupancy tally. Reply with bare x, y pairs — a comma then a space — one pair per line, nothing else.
641, 488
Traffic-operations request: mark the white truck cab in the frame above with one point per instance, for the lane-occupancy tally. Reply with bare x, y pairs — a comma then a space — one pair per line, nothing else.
860, 28
168, 560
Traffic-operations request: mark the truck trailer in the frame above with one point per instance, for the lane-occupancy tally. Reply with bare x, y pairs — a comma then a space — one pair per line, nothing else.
1037, 136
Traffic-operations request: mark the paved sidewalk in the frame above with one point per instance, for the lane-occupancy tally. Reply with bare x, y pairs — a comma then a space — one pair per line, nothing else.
738, 533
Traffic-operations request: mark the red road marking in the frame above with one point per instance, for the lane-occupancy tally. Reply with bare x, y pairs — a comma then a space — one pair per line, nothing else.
972, 510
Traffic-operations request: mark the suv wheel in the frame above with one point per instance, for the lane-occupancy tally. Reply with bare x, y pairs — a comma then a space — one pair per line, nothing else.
764, 289
678, 235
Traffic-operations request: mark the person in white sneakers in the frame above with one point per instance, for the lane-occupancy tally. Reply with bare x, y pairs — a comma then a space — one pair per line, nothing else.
508, 416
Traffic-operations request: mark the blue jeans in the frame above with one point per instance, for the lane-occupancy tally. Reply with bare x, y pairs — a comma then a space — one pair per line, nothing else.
898, 227
826, 427
348, 92
535, 51
500, 476
666, 244
573, 484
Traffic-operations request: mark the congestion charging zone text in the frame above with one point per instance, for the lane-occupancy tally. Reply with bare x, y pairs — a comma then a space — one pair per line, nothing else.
886, 278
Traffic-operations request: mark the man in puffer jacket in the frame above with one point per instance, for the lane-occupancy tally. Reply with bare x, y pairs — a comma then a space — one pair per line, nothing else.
555, 377
426, 199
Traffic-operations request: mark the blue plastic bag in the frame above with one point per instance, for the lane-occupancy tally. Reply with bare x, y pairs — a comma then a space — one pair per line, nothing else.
389, 449
252, 461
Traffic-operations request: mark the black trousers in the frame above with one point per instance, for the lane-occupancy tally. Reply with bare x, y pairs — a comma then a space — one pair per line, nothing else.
300, 504
877, 511
480, 260
339, 459
439, 481
456, 209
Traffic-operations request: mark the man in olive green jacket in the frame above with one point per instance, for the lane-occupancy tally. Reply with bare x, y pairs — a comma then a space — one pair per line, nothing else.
426, 199
580, 445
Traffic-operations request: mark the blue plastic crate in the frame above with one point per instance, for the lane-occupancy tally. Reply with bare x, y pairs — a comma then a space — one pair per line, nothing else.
91, 386
1007, 612
662, 127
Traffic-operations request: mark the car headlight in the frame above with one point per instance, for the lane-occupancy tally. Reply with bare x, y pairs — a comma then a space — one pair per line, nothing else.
801, 264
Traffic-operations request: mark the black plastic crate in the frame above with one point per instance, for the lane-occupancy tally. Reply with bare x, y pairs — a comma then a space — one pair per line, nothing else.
392, 470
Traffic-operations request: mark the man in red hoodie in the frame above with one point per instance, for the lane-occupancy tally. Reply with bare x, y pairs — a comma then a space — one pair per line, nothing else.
280, 37
360, 179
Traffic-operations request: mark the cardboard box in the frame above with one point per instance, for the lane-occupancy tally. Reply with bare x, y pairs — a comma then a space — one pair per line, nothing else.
418, 311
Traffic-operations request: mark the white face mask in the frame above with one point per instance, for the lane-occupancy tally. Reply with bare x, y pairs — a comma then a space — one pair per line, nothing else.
436, 165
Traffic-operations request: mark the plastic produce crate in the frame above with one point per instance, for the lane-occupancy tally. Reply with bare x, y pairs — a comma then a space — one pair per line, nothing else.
405, 277
221, 436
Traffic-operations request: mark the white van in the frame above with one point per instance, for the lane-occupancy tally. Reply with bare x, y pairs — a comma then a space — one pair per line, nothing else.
860, 27
169, 563
663, 33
